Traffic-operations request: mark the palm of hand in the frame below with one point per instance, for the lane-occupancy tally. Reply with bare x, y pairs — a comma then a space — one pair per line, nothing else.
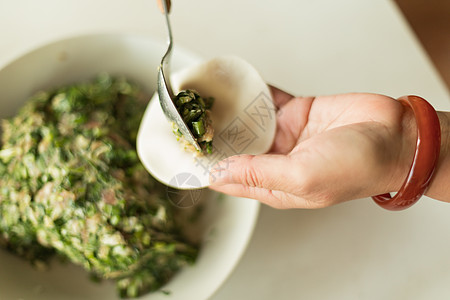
340, 146
326, 150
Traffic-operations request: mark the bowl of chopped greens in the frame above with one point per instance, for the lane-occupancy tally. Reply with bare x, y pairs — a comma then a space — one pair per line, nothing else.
80, 217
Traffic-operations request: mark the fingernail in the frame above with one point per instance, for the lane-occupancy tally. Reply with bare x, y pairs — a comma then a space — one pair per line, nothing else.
219, 176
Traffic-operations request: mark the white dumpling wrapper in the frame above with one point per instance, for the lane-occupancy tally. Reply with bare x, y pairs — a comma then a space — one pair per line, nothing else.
243, 115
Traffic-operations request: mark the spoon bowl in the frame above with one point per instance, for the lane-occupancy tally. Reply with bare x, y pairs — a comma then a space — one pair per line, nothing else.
165, 92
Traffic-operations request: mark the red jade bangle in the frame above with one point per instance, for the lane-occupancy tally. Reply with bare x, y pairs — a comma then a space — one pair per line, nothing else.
425, 157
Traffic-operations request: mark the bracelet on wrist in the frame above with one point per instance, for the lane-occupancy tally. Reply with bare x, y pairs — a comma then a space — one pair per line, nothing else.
425, 157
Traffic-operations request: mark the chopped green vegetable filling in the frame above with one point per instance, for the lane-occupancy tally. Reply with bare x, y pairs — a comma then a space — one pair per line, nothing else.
71, 184
196, 112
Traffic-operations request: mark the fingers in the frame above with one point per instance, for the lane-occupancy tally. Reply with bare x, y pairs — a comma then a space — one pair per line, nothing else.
280, 97
269, 171
262, 195
273, 198
291, 121
292, 115
163, 7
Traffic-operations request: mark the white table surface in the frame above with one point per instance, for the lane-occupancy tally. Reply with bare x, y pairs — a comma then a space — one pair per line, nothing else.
354, 250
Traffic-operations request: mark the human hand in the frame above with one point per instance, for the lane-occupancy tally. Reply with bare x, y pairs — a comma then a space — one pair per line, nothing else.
327, 150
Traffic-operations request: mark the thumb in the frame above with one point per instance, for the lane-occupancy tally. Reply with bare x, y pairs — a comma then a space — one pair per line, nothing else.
268, 171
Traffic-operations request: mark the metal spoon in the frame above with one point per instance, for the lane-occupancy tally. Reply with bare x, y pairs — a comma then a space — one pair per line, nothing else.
164, 89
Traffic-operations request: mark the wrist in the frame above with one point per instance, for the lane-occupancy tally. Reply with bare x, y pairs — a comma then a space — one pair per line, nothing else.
407, 137
426, 156
439, 187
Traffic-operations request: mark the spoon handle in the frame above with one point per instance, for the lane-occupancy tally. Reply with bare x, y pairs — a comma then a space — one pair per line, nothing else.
164, 5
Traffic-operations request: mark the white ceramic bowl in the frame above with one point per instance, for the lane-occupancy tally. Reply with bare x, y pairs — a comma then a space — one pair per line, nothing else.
228, 222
